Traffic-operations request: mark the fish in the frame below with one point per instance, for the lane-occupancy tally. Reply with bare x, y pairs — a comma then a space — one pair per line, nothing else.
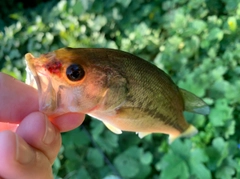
124, 91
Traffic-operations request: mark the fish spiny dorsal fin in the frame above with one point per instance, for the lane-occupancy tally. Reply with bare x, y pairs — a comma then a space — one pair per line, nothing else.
194, 104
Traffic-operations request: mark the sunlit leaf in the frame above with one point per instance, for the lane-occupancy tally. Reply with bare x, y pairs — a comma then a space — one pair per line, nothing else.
95, 157
128, 167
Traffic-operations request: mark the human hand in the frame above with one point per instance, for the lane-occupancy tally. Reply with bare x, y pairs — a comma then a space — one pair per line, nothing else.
29, 142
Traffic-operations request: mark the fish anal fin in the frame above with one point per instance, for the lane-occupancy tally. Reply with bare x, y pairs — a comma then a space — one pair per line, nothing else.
191, 131
112, 128
142, 134
194, 104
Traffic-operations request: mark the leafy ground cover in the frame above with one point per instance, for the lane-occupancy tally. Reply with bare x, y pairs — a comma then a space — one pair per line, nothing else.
196, 42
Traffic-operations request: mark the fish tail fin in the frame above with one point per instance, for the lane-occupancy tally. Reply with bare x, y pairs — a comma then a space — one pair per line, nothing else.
190, 131
194, 104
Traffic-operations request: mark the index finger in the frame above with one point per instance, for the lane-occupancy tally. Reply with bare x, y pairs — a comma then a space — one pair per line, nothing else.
17, 99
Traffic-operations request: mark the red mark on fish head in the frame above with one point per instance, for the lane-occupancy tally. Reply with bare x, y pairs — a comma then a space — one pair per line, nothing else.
54, 67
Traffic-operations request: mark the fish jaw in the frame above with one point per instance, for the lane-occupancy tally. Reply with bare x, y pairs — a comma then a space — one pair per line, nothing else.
55, 98
37, 77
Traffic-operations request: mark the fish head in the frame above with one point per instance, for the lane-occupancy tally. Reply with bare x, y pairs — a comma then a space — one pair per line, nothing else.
66, 81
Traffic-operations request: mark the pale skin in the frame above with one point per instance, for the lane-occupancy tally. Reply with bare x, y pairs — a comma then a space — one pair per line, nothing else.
29, 142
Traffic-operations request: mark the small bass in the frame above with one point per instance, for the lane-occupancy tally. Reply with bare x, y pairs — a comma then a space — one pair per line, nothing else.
122, 90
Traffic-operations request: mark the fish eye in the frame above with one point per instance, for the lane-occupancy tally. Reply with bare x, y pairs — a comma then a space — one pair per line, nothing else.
75, 72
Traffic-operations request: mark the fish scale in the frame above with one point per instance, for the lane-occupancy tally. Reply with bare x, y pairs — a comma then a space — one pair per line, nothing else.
149, 93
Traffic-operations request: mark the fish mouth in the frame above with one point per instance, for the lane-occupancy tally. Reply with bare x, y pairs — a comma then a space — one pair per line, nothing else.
55, 98
38, 78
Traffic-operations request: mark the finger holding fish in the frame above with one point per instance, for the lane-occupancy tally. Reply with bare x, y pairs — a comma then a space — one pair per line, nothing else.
19, 100
29, 142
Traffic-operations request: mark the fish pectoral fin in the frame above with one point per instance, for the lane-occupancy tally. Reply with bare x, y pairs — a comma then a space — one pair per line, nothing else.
112, 128
142, 134
191, 130
194, 104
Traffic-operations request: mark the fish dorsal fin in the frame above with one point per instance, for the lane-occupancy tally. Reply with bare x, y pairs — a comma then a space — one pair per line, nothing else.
194, 104
112, 128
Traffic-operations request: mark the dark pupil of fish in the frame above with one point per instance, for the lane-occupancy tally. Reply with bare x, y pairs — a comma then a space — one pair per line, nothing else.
75, 72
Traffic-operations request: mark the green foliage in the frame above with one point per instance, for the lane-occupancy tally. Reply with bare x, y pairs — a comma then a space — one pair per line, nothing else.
197, 42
